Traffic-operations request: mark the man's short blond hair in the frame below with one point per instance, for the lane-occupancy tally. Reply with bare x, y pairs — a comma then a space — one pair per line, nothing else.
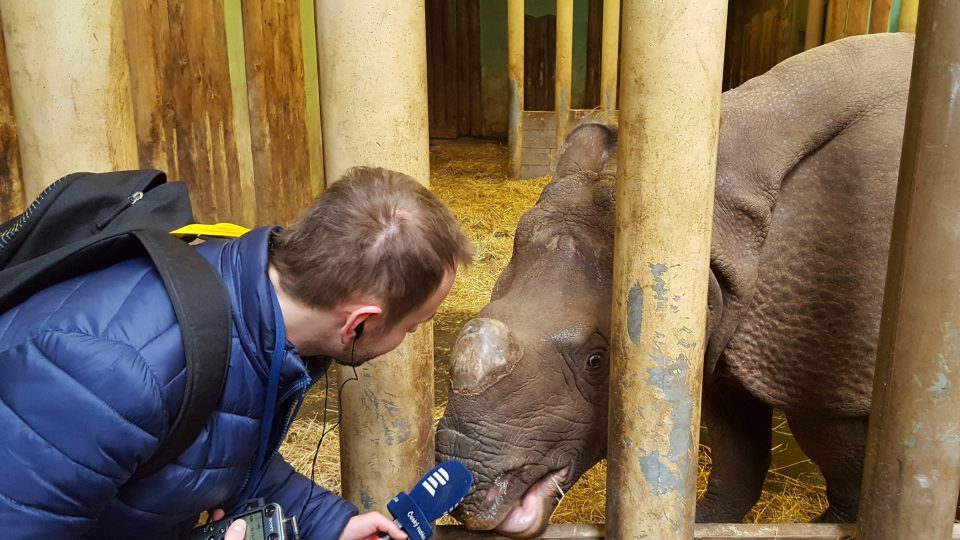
373, 235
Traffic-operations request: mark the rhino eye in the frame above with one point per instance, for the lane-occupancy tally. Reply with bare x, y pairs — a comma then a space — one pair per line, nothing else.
595, 361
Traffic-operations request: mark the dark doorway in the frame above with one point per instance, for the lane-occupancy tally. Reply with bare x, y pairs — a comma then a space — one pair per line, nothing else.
453, 68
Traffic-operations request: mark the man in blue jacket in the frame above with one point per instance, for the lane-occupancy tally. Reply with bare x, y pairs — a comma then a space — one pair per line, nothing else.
92, 369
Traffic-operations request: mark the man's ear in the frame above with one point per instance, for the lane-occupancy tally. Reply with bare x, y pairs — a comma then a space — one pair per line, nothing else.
357, 317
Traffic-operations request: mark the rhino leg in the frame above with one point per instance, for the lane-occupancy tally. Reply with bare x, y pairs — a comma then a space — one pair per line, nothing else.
837, 446
738, 432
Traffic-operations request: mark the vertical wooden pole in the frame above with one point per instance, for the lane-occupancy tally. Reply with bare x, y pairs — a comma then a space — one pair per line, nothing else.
814, 34
71, 88
373, 93
609, 55
908, 15
912, 469
237, 63
311, 84
515, 22
669, 99
880, 13
564, 68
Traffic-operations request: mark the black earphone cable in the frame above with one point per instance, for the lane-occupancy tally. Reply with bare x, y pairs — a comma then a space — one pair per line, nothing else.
324, 430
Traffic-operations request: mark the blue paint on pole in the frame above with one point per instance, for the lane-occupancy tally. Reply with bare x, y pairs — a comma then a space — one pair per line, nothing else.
658, 475
670, 377
635, 313
659, 285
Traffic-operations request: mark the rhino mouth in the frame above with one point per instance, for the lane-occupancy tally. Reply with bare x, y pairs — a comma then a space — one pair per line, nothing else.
528, 516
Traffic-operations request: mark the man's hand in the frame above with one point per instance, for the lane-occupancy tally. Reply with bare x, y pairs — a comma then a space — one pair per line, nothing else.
364, 526
237, 530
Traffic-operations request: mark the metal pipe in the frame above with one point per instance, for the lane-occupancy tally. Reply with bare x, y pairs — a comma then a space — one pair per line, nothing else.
515, 22
669, 99
563, 73
609, 55
70, 84
373, 93
912, 468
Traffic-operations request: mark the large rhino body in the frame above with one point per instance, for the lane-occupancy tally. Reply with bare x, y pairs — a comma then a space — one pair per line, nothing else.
806, 181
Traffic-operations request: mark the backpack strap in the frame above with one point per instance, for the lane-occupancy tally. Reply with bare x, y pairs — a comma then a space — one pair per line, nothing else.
202, 306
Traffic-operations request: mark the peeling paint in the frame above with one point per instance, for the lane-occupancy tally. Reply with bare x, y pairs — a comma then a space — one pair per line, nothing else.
940, 384
658, 475
402, 431
659, 285
670, 377
635, 313
366, 501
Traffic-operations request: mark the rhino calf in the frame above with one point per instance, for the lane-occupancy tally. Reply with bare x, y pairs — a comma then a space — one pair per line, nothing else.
806, 181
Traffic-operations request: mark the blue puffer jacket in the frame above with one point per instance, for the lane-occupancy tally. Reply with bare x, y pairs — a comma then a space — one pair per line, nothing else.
91, 374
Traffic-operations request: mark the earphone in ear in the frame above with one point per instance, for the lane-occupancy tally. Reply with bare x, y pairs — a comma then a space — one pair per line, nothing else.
358, 330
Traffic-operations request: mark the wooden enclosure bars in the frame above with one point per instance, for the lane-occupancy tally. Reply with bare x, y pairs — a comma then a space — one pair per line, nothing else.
515, 74
609, 54
912, 470
564, 68
669, 99
373, 92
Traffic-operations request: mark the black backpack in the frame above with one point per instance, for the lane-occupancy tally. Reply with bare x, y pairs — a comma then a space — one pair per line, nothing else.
86, 221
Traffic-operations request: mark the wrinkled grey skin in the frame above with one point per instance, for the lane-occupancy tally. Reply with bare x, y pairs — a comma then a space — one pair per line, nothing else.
806, 180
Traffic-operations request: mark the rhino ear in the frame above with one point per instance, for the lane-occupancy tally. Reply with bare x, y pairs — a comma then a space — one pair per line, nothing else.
589, 147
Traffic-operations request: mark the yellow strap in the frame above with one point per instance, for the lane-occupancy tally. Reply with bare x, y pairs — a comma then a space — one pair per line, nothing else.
228, 230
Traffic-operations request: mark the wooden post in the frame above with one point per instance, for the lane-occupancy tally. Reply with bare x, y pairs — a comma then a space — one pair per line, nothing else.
908, 15
609, 54
373, 93
814, 34
564, 69
71, 88
669, 99
515, 22
912, 468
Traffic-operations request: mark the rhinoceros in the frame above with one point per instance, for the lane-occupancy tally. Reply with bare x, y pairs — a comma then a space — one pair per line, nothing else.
807, 167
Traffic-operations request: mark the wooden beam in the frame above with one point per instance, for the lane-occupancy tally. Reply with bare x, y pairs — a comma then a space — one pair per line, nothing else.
563, 73
671, 100
701, 531
277, 104
609, 55
184, 104
236, 53
912, 468
373, 73
515, 23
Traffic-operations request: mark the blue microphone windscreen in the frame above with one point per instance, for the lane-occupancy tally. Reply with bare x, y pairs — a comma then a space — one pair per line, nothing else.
442, 488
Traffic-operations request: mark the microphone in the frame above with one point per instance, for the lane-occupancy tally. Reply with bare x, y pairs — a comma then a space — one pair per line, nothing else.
438, 492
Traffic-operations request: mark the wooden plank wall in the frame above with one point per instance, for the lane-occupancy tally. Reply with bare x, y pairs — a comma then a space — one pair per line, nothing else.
539, 61
760, 34
847, 18
11, 180
763, 33
252, 166
453, 68
222, 100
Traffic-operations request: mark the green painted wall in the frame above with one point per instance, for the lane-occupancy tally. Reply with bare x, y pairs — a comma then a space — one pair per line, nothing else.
493, 57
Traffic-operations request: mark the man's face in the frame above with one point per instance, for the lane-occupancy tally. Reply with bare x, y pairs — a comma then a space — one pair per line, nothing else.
378, 340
